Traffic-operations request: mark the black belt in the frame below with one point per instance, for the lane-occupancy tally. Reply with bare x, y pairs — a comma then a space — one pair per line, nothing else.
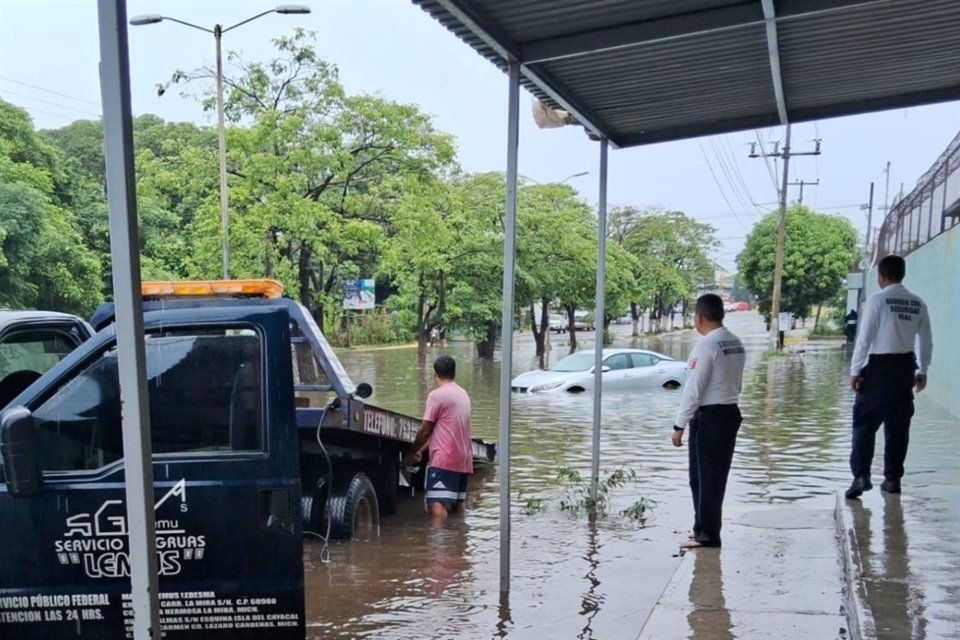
893, 358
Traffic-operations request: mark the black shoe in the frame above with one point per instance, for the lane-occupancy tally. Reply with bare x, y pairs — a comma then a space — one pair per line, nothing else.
857, 487
890, 486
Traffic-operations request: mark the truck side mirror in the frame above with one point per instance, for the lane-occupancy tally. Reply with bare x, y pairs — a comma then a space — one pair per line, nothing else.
18, 445
364, 390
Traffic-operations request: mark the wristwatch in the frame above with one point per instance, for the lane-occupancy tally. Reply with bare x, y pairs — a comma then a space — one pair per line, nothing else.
676, 428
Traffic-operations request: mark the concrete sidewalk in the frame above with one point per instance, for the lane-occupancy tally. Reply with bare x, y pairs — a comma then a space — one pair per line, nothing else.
780, 576
904, 564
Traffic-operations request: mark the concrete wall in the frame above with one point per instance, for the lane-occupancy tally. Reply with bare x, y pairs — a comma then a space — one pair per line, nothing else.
933, 273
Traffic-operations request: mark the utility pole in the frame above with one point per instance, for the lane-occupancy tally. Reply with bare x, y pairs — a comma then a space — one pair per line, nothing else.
222, 151
886, 190
869, 208
786, 154
801, 183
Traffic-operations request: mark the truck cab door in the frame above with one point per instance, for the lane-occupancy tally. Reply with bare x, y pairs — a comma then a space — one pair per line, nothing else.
30, 347
226, 477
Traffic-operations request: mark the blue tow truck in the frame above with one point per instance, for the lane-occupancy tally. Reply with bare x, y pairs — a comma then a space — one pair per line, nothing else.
259, 436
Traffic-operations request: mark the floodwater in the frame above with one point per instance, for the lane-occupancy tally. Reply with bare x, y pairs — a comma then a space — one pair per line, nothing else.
575, 579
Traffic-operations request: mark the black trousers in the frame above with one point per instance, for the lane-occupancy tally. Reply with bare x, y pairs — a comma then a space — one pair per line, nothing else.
885, 397
713, 436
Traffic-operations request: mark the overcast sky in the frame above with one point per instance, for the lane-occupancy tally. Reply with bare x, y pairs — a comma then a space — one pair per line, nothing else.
48, 64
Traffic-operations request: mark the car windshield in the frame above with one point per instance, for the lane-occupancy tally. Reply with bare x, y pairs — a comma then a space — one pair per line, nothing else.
576, 362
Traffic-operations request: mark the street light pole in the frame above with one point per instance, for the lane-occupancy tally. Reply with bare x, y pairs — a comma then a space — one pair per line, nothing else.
564, 181
576, 175
218, 31
222, 144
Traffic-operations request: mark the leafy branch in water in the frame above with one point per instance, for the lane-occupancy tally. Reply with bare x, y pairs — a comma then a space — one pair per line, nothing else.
577, 497
531, 505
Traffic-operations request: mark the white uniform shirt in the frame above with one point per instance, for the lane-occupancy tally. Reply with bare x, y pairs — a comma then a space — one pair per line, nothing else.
714, 373
893, 321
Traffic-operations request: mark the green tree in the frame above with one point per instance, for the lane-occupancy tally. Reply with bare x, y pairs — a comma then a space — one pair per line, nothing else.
475, 289
304, 194
426, 241
672, 253
44, 261
556, 255
818, 251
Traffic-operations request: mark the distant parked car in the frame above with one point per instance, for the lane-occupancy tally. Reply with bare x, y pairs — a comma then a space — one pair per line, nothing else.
623, 370
583, 321
32, 342
557, 323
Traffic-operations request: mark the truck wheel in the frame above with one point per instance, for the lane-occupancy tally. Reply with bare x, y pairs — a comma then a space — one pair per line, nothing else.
353, 511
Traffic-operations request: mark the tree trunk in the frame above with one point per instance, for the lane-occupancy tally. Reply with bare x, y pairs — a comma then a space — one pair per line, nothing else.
571, 328
634, 317
540, 328
486, 347
267, 262
304, 269
421, 319
816, 322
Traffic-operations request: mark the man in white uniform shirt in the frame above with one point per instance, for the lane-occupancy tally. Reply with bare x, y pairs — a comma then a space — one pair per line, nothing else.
884, 371
709, 405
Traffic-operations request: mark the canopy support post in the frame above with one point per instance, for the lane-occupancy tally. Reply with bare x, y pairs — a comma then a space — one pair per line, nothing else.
506, 336
598, 317
131, 354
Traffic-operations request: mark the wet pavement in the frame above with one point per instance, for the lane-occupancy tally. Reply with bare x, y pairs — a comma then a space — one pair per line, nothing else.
785, 583
575, 579
905, 549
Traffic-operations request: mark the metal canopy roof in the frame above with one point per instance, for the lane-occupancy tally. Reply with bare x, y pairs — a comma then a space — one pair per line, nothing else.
644, 71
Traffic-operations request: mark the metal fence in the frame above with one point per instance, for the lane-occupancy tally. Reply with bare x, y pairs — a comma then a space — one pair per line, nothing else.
930, 209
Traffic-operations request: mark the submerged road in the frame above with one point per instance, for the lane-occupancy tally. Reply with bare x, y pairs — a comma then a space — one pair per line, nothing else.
574, 579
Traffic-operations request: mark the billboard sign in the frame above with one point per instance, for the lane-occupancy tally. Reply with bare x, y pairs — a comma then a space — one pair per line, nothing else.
358, 294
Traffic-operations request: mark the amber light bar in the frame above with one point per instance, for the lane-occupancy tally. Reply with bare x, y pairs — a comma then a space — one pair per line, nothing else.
261, 288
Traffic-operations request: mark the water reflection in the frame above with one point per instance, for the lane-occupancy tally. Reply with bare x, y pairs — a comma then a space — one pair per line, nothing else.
891, 593
504, 620
446, 546
709, 618
592, 599
795, 421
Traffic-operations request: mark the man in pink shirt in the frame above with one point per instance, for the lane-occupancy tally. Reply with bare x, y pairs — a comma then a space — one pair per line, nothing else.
446, 429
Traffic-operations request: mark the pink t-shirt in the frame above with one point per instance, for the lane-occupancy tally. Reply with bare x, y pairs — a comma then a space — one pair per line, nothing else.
448, 407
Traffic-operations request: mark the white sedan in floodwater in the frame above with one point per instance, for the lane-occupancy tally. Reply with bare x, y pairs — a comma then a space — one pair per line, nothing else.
623, 370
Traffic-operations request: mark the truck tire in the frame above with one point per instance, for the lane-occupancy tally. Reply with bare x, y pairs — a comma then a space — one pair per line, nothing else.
352, 509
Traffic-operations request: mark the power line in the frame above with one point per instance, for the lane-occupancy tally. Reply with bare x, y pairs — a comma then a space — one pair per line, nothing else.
56, 93
727, 173
717, 182
51, 113
766, 160
733, 214
50, 102
739, 174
